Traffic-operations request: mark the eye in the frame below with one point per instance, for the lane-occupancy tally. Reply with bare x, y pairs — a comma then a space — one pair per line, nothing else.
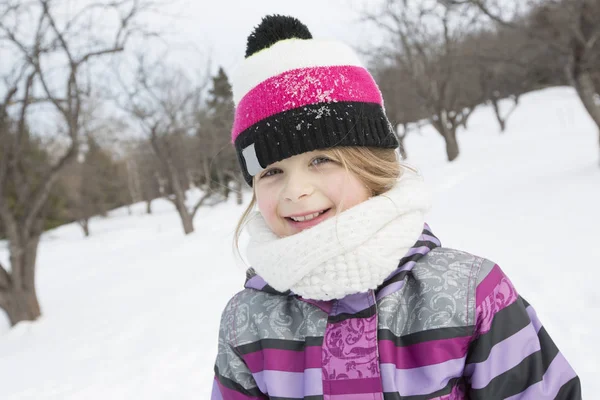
320, 160
270, 172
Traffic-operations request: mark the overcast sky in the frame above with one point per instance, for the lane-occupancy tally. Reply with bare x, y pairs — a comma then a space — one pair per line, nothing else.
199, 29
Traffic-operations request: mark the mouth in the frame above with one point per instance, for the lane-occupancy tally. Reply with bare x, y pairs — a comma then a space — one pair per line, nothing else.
306, 221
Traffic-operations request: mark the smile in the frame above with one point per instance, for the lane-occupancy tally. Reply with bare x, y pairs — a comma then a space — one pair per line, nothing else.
308, 217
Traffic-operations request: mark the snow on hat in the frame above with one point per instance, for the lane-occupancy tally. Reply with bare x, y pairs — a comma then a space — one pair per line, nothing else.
295, 94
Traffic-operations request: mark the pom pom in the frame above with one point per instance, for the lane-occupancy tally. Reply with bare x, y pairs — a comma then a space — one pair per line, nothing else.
274, 28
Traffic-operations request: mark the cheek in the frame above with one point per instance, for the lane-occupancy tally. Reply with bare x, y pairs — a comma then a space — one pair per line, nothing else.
267, 205
347, 191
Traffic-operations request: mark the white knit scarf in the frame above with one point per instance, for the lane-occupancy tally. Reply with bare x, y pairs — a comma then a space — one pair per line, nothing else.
350, 253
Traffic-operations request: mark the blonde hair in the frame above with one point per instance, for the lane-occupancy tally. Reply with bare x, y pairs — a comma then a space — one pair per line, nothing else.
377, 168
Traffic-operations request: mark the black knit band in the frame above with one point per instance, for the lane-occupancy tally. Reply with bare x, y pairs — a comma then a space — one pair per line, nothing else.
312, 127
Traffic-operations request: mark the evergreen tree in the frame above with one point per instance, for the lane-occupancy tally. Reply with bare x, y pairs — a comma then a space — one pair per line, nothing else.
220, 101
35, 159
220, 159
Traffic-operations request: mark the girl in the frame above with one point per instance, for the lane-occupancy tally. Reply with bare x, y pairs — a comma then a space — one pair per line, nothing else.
351, 296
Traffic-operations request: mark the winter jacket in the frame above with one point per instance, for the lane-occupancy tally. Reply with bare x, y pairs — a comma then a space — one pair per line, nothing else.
446, 325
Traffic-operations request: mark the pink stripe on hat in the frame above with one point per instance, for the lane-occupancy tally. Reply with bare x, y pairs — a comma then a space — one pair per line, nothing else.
304, 86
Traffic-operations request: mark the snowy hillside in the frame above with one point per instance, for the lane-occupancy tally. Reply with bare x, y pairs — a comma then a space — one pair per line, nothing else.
132, 312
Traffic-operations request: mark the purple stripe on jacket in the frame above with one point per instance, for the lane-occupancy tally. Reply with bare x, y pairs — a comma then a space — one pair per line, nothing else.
430, 239
420, 381
415, 250
396, 286
216, 393
504, 355
559, 372
229, 394
537, 324
256, 282
359, 396
290, 384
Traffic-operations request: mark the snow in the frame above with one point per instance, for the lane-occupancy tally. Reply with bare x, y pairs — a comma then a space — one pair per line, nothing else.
133, 311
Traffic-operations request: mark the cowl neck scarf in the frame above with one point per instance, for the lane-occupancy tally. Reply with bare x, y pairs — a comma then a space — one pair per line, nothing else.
349, 253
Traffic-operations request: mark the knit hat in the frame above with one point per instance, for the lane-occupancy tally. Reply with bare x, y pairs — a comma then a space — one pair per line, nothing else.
295, 94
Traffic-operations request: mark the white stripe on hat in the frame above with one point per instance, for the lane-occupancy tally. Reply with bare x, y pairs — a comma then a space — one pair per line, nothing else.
286, 55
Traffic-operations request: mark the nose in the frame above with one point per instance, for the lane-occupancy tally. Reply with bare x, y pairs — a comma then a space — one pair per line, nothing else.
297, 189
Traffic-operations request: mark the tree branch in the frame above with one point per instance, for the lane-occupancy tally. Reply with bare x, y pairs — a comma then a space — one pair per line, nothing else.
592, 40
162, 157
89, 7
9, 223
124, 23
35, 100
100, 53
4, 138
59, 35
6, 102
481, 5
34, 60
22, 127
199, 204
42, 192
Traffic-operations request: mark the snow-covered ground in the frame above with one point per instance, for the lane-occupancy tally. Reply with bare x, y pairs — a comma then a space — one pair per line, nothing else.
132, 312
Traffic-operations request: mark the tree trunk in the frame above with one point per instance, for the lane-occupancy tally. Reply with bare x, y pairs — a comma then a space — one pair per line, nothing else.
451, 145
133, 181
584, 85
401, 136
186, 219
240, 195
499, 118
449, 136
149, 207
207, 174
85, 225
402, 148
184, 214
175, 181
226, 189
19, 298
21, 305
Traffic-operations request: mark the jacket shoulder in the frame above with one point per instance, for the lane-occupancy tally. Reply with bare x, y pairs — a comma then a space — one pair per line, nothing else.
443, 285
253, 315
240, 307
460, 264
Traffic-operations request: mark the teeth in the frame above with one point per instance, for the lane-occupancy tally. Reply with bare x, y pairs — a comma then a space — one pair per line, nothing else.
307, 217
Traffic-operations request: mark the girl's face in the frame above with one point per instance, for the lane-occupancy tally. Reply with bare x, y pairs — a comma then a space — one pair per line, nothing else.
301, 191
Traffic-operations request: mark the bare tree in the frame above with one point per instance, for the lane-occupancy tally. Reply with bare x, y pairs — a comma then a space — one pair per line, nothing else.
425, 43
43, 50
164, 102
141, 170
503, 60
403, 105
500, 116
150, 179
569, 27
